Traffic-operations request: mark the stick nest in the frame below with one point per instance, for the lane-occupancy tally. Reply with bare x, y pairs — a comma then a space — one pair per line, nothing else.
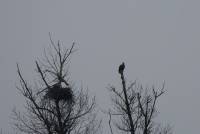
59, 93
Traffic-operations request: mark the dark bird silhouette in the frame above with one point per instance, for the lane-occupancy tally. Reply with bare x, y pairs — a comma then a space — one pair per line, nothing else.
121, 68
56, 86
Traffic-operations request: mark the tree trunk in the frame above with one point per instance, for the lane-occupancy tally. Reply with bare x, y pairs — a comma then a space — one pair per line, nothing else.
127, 104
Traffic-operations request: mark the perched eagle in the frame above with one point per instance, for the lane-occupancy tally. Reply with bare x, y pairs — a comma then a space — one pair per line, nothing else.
121, 68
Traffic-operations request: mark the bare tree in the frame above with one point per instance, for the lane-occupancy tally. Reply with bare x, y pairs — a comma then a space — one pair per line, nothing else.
136, 108
53, 105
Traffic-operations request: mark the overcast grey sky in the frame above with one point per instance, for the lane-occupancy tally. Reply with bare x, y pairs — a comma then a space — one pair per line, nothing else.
157, 39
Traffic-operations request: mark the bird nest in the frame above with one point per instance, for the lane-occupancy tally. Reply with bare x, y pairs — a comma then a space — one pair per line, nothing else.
59, 93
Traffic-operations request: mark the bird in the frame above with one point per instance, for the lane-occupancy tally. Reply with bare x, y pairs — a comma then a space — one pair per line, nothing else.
56, 86
121, 68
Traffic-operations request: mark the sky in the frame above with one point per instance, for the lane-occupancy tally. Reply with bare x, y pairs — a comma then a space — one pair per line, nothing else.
157, 39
